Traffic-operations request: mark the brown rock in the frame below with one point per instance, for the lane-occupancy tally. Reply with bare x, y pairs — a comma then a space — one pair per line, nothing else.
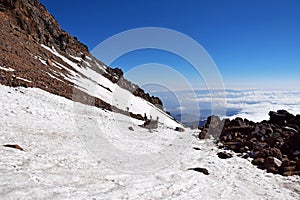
295, 141
202, 134
288, 173
224, 155
270, 141
49, 62
260, 154
272, 164
258, 161
289, 168
15, 146
285, 163
298, 165
276, 153
232, 145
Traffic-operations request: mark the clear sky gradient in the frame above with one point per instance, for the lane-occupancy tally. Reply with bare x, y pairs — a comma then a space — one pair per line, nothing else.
254, 43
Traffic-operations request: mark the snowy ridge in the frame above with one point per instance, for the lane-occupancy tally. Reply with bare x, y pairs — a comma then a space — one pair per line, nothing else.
57, 165
99, 86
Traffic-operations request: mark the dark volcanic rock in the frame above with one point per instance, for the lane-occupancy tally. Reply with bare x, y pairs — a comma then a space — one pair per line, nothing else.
273, 144
272, 164
203, 134
258, 161
179, 129
280, 117
15, 146
200, 169
33, 19
150, 124
224, 155
298, 165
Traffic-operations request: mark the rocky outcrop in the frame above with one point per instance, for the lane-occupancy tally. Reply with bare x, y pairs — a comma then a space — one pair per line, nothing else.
213, 127
150, 124
39, 25
25, 25
273, 144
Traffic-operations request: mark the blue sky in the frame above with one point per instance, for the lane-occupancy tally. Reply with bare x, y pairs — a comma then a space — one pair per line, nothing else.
255, 44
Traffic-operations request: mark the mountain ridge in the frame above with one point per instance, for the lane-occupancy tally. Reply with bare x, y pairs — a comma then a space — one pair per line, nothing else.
26, 27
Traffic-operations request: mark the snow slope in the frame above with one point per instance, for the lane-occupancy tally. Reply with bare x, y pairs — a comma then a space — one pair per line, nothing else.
92, 83
63, 160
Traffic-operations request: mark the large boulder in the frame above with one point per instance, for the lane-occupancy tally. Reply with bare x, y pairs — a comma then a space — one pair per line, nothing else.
214, 126
150, 124
281, 117
272, 164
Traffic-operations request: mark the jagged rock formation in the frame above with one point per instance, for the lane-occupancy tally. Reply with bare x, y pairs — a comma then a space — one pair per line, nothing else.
274, 144
32, 18
150, 124
25, 26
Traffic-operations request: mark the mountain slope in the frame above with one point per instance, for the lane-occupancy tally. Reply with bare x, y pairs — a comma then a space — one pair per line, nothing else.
35, 52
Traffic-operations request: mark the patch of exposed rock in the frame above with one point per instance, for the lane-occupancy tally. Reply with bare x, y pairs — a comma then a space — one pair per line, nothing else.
25, 26
273, 144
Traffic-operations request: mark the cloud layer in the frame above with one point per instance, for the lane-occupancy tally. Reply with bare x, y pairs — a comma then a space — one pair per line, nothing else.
250, 104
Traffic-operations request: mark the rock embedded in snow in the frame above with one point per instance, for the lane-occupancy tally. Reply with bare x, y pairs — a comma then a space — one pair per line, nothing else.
224, 155
214, 126
179, 129
202, 134
15, 146
200, 169
150, 124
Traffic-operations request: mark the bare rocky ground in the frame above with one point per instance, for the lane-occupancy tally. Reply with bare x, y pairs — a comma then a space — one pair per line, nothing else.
273, 144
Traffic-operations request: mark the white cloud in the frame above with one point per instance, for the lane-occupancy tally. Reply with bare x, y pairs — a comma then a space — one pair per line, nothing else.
252, 104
